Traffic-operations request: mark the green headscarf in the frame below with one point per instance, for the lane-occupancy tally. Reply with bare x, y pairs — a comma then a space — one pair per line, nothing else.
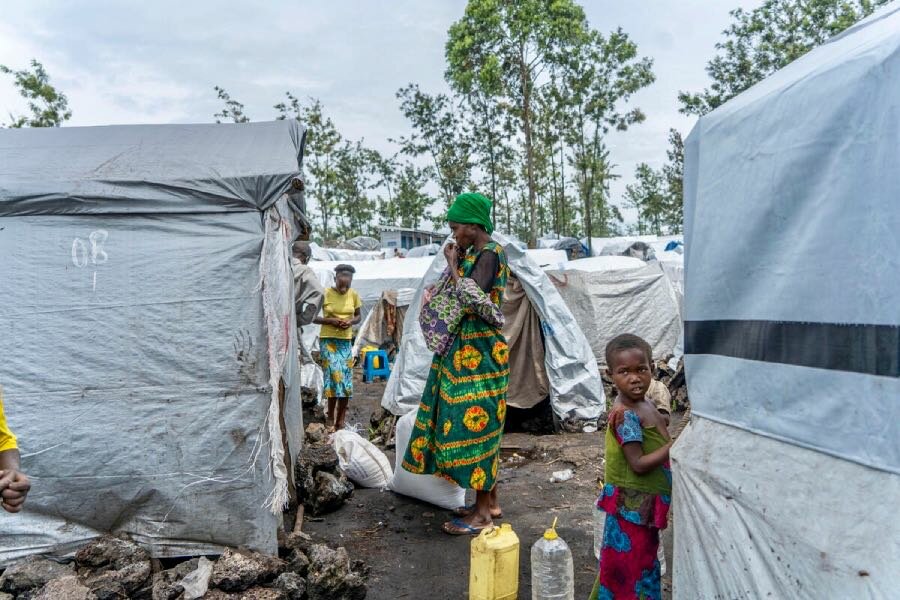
472, 208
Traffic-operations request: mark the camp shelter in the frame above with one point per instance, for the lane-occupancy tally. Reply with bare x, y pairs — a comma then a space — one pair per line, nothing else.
383, 327
548, 258
610, 295
149, 360
786, 482
572, 375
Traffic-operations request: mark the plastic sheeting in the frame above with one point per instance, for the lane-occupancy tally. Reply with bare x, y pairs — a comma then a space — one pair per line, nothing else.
792, 218
760, 518
575, 387
141, 338
615, 300
784, 483
147, 168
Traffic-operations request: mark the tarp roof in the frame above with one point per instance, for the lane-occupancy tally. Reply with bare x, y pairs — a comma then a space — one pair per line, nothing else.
147, 168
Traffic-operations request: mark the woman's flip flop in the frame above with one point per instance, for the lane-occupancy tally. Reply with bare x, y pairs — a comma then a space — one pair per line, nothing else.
465, 511
457, 527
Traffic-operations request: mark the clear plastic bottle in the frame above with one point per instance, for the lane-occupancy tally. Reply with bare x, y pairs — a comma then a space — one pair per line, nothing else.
661, 557
599, 524
552, 571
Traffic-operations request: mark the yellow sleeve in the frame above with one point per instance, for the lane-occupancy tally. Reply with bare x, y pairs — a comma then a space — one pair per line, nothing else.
7, 439
357, 301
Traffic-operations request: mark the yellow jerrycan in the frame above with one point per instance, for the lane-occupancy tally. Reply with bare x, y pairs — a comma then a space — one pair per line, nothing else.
494, 565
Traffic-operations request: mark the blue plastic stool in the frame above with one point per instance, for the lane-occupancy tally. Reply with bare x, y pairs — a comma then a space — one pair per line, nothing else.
370, 371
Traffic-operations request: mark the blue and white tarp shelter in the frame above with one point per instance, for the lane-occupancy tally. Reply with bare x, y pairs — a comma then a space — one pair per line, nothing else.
787, 480
147, 328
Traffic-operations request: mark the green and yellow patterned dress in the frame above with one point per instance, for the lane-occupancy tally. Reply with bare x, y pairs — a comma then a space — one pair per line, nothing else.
460, 420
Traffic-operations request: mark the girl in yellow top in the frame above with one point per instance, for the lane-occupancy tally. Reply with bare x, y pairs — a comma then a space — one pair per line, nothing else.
340, 312
14, 484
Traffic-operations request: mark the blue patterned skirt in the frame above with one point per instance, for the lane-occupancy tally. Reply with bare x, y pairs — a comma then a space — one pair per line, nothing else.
336, 358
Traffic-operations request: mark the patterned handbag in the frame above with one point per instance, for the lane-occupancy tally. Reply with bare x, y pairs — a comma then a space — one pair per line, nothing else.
441, 316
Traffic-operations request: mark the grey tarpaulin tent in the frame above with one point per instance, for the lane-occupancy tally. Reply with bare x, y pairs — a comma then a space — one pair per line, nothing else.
786, 481
147, 325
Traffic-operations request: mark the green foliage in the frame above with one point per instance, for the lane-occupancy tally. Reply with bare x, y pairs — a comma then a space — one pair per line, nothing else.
502, 49
49, 107
353, 181
647, 195
658, 195
673, 173
320, 154
761, 41
232, 111
440, 135
412, 202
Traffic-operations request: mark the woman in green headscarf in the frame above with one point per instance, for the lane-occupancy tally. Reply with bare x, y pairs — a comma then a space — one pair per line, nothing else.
463, 409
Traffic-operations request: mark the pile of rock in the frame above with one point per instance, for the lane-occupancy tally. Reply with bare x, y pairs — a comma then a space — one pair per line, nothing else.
381, 428
321, 487
675, 381
115, 568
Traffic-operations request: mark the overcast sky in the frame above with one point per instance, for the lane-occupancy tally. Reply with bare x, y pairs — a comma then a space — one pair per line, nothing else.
157, 62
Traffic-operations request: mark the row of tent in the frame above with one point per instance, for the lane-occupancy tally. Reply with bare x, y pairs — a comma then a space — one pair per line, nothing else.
584, 303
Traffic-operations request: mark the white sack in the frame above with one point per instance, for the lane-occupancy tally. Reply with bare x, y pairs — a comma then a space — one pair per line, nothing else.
427, 488
361, 461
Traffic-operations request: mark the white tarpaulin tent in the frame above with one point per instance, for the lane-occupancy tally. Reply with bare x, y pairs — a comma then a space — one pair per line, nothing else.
575, 386
147, 324
610, 295
786, 483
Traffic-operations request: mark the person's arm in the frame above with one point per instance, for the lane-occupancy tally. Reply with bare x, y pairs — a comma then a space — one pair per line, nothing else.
308, 297
451, 253
14, 485
485, 271
642, 463
630, 436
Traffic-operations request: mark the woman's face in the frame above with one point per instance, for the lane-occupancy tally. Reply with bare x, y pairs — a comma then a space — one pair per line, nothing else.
342, 282
464, 234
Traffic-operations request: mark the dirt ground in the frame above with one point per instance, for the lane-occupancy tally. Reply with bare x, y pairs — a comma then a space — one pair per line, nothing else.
400, 538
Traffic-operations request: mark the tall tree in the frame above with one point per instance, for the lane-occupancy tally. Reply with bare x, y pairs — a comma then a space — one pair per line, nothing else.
765, 39
232, 111
322, 144
595, 87
491, 132
411, 201
438, 133
648, 196
504, 48
673, 173
49, 107
593, 174
353, 172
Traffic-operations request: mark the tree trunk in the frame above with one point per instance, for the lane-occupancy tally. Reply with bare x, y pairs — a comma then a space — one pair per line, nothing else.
529, 150
562, 190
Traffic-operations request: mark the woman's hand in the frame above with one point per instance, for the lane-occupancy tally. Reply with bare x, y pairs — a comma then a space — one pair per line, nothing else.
451, 253
429, 294
15, 487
